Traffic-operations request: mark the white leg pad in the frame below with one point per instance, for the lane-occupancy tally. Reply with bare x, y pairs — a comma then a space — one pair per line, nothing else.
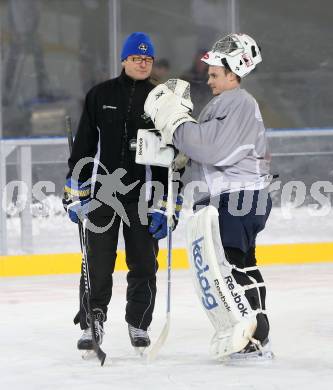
222, 298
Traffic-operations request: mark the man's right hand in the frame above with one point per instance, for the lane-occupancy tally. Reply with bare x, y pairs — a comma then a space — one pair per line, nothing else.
75, 199
158, 225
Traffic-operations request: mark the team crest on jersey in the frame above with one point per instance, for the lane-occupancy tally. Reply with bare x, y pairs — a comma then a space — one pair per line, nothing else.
143, 47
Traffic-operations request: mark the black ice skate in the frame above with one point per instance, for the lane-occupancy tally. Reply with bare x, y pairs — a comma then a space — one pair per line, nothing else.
254, 351
85, 342
139, 338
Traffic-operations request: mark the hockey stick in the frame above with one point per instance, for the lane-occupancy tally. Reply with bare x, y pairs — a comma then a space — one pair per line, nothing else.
85, 266
165, 331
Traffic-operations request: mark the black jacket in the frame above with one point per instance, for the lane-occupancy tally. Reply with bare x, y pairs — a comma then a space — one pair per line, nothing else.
112, 114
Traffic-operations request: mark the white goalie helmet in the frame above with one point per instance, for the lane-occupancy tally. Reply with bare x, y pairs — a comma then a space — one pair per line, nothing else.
239, 52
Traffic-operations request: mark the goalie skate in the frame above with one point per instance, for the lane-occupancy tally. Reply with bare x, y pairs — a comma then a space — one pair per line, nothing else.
252, 352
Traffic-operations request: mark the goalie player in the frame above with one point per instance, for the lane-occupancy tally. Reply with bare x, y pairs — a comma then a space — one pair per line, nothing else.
228, 152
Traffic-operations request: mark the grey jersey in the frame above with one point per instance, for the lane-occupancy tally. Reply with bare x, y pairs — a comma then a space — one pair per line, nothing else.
228, 147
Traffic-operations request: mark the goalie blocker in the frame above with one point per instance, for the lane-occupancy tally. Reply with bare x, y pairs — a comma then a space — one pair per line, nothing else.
222, 298
150, 149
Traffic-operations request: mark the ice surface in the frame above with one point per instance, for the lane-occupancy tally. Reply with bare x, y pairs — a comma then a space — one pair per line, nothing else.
38, 338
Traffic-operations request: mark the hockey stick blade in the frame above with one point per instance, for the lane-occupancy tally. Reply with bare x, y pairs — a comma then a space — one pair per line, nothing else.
152, 353
91, 354
101, 355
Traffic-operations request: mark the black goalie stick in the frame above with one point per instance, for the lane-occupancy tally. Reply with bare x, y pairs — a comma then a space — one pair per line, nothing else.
85, 267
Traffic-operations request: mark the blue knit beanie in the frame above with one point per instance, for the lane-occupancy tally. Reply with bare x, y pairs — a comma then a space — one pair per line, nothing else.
138, 43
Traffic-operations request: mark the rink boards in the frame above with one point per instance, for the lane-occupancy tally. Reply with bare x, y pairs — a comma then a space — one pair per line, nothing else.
67, 263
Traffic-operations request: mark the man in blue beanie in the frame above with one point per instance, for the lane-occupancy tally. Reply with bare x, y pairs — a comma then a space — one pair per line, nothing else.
107, 132
137, 43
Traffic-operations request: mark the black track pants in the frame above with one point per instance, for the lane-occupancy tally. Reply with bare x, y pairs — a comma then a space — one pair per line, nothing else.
141, 258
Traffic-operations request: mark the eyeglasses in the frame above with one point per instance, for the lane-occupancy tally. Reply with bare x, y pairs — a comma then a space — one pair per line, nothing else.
140, 60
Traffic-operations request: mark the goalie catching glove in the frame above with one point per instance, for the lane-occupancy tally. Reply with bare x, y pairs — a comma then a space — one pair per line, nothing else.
158, 226
169, 105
